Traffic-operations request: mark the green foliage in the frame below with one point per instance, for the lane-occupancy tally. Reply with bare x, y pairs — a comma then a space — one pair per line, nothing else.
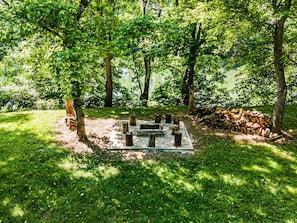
168, 93
17, 97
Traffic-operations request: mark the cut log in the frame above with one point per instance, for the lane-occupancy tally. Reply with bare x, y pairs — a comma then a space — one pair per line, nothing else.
168, 118
152, 140
251, 122
129, 139
175, 128
132, 120
177, 139
158, 118
125, 127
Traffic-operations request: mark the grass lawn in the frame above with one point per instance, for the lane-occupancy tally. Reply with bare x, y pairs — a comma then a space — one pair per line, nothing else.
224, 182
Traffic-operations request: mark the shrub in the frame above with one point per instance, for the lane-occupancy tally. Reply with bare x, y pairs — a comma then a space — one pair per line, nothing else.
50, 104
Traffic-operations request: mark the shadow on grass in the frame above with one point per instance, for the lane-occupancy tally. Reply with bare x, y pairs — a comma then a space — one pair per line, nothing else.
123, 113
42, 182
14, 118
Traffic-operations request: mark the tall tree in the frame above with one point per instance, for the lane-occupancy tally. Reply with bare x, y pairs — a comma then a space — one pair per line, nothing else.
63, 21
283, 8
262, 24
147, 63
188, 79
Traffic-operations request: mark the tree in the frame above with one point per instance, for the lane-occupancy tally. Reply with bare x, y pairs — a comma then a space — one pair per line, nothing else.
147, 63
283, 8
62, 20
257, 33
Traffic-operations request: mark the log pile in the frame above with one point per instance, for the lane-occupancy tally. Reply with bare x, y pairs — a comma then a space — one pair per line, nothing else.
248, 122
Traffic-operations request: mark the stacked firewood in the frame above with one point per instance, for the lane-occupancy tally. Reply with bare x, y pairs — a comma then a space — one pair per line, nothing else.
249, 122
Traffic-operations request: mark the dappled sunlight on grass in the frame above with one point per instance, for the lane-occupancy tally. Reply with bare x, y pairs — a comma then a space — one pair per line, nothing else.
256, 168
292, 190
3, 163
232, 180
260, 212
17, 211
178, 179
79, 169
204, 175
282, 153
5, 201
273, 164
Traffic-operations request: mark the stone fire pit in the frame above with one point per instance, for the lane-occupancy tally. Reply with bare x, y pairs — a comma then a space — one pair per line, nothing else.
164, 140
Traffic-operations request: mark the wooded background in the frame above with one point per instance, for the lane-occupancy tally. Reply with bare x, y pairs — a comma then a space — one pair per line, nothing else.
140, 53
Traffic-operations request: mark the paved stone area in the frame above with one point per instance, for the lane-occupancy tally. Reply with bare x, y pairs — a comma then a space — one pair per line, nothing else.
163, 143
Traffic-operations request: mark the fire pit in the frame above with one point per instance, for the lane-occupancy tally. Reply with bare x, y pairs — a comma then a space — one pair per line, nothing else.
150, 129
145, 131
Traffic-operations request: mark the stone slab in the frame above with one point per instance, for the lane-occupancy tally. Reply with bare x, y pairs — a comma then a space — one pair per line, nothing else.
166, 143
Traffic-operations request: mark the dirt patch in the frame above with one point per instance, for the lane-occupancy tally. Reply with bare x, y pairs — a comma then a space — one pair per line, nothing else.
98, 131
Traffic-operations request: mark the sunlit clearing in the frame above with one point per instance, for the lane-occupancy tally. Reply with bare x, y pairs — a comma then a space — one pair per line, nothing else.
17, 211
256, 168
292, 190
232, 180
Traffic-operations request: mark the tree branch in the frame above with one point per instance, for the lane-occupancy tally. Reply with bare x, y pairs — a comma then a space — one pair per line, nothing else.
82, 7
5, 2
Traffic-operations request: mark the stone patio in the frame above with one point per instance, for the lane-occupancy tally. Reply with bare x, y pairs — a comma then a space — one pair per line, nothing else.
164, 140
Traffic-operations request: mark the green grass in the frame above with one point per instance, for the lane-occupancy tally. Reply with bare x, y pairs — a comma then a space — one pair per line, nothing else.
226, 182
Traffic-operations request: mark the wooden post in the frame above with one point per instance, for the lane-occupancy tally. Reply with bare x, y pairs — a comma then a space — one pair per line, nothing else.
176, 121
125, 127
132, 120
158, 118
129, 139
174, 129
177, 139
152, 140
168, 118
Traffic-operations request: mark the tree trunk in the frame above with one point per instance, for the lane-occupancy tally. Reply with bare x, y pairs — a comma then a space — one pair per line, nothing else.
145, 94
147, 64
189, 74
280, 100
80, 122
108, 86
